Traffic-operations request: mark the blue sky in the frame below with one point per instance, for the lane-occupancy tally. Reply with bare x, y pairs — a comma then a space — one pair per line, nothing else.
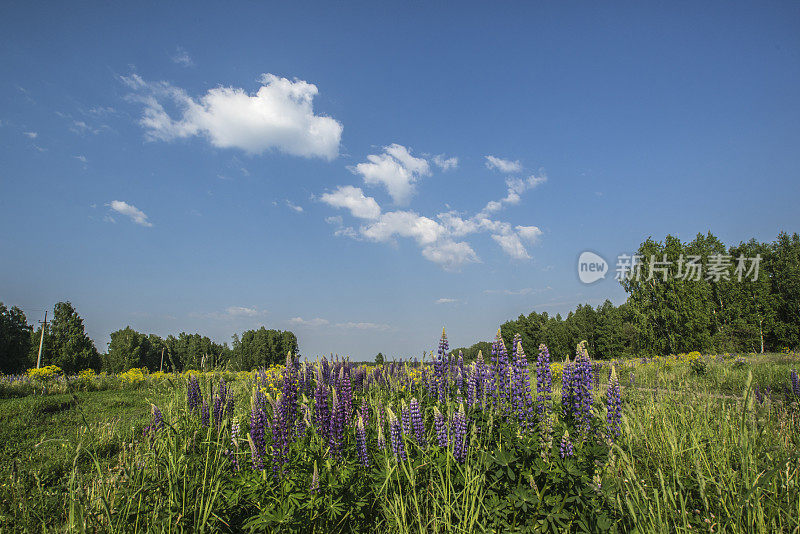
364, 175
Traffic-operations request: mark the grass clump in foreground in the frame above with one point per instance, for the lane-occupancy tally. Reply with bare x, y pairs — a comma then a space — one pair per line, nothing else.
485, 447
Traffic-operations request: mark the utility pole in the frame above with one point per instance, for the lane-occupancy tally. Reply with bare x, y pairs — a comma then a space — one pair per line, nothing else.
160, 367
41, 340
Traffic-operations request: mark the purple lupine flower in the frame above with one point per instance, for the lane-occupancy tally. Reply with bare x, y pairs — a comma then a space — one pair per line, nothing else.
567, 387
405, 417
379, 426
361, 442
204, 413
336, 438
793, 378
322, 412
346, 393
364, 411
280, 435
194, 397
500, 373
566, 446
583, 384
439, 367
231, 451
256, 436
395, 434
472, 387
441, 427
458, 430
614, 401
220, 403
544, 377
417, 422
158, 418
759, 395
522, 389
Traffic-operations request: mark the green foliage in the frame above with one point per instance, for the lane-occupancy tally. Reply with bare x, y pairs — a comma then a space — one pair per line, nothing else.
15, 340
66, 344
379, 359
262, 348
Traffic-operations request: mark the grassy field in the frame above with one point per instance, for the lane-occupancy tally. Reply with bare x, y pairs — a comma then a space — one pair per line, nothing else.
707, 444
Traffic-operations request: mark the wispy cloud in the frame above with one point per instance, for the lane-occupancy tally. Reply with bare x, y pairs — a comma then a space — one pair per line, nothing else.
447, 301
364, 326
503, 165
31, 135
131, 211
295, 207
279, 116
244, 311
317, 321
445, 163
80, 158
181, 57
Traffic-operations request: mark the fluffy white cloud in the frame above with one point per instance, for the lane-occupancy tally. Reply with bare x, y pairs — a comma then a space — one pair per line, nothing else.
529, 233
450, 254
515, 188
353, 198
445, 163
503, 165
447, 301
279, 116
31, 135
396, 169
129, 210
317, 321
511, 245
404, 224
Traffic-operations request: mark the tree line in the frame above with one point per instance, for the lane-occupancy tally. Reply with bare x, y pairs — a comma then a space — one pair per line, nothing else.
720, 307
66, 345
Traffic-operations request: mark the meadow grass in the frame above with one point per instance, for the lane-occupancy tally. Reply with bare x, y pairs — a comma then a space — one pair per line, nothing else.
698, 452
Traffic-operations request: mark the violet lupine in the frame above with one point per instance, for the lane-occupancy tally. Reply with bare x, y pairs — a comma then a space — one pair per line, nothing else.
256, 436
583, 383
614, 405
544, 378
231, 451
336, 438
322, 412
364, 411
417, 422
522, 386
346, 393
460, 371
472, 387
204, 413
395, 434
220, 403
793, 378
280, 435
361, 442
500, 376
157, 422
567, 387
441, 427
458, 431
439, 367
405, 418
379, 426
566, 446
194, 397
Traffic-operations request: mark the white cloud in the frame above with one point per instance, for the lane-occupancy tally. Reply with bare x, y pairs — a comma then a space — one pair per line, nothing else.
404, 224
135, 214
279, 116
317, 321
515, 188
181, 57
529, 233
353, 198
32, 135
447, 301
503, 165
396, 169
449, 254
511, 245
445, 163
364, 326
82, 159
243, 311
298, 209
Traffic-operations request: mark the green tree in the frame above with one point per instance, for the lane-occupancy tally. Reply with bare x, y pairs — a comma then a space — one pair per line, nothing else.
66, 343
379, 359
262, 348
15, 340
